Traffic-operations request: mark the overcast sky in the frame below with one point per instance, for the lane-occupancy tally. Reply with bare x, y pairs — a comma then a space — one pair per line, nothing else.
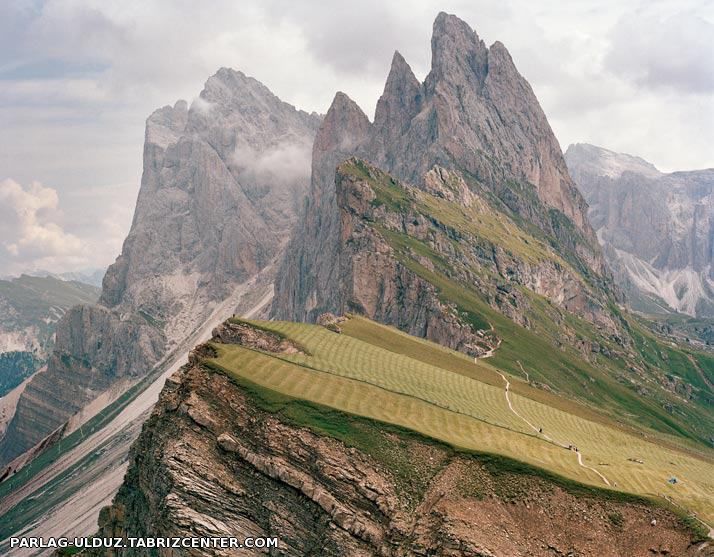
79, 77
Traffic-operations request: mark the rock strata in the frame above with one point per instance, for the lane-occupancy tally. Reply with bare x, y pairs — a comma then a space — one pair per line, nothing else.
222, 184
211, 462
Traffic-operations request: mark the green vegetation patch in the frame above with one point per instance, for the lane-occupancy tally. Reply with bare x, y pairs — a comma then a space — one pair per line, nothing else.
461, 407
413, 459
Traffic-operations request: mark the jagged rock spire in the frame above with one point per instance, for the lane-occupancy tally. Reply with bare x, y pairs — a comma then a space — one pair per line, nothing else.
457, 53
345, 126
401, 100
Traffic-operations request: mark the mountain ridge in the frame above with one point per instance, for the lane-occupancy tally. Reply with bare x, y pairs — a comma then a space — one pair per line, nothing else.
463, 106
655, 228
210, 216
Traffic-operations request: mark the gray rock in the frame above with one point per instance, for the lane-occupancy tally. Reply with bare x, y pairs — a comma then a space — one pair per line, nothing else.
474, 114
222, 184
656, 229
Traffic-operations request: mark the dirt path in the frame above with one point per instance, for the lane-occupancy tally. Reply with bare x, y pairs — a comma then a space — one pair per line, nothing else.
543, 435
701, 374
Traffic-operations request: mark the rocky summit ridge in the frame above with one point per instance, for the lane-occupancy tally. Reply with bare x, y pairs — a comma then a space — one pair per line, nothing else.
222, 184
655, 228
474, 115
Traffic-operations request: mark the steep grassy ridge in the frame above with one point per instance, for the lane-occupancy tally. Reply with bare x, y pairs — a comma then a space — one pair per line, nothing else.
464, 409
480, 260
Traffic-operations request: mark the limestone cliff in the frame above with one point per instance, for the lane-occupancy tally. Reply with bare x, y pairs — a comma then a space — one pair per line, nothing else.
220, 459
222, 183
30, 308
656, 228
474, 115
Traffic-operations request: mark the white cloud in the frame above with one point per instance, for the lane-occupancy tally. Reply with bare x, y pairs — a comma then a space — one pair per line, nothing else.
201, 105
29, 228
282, 163
79, 77
675, 53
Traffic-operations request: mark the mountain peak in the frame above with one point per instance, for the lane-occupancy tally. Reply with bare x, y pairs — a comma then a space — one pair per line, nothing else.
401, 98
451, 25
584, 157
457, 52
344, 126
400, 71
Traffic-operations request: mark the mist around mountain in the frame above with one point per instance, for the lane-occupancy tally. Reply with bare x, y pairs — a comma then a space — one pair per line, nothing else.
223, 181
447, 333
655, 228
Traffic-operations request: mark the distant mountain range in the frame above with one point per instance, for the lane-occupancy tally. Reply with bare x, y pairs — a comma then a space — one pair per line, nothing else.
656, 229
30, 309
433, 277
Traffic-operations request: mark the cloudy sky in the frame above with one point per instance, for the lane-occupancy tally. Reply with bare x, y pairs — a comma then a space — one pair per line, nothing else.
79, 77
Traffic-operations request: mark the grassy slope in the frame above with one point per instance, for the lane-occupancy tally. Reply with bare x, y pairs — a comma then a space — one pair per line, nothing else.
607, 383
463, 409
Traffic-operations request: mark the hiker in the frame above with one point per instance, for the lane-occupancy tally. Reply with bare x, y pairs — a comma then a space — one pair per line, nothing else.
540, 430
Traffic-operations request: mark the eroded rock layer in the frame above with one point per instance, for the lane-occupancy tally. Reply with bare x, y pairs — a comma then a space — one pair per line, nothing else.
222, 184
212, 462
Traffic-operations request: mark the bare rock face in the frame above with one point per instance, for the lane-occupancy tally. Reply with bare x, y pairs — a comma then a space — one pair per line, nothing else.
300, 277
222, 184
211, 462
373, 282
236, 332
475, 115
94, 349
656, 229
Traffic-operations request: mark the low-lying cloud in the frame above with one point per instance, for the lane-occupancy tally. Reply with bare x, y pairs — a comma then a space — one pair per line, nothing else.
201, 105
282, 164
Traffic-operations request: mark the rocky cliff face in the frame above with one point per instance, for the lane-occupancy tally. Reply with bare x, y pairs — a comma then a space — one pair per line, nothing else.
222, 183
30, 308
475, 117
383, 220
214, 460
656, 229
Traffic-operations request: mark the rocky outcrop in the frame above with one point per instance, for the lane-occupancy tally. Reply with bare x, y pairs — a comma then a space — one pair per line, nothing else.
223, 180
212, 462
301, 279
656, 229
474, 115
373, 279
30, 308
94, 349
238, 332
